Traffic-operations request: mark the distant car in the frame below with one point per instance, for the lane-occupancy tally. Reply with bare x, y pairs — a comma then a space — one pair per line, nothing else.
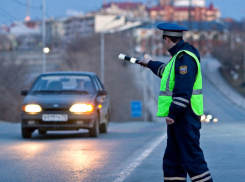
65, 101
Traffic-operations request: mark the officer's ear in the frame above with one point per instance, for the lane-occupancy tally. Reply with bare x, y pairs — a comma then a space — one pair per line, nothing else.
168, 40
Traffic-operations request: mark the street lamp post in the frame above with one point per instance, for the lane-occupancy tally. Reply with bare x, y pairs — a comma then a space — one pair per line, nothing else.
102, 56
102, 49
43, 38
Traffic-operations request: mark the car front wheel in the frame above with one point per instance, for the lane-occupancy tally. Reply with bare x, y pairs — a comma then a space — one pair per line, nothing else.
94, 132
104, 126
26, 133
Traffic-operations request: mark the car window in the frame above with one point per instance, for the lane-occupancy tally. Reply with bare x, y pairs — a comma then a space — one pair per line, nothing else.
64, 83
99, 83
96, 84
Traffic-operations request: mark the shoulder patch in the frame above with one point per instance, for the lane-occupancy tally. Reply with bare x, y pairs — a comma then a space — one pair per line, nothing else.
183, 69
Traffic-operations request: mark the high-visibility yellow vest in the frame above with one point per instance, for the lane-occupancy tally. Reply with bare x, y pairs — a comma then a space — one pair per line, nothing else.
167, 86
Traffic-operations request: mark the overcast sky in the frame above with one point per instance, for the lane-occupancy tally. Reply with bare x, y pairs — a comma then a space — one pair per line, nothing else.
11, 10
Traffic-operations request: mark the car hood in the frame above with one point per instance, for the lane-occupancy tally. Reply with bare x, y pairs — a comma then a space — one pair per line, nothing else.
58, 101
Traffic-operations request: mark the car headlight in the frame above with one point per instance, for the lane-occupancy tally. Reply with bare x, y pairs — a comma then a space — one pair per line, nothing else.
81, 108
32, 108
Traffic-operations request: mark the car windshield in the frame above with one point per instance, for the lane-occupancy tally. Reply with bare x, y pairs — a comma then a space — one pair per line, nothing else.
74, 84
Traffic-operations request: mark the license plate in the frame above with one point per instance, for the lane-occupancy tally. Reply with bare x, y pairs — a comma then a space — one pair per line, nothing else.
55, 117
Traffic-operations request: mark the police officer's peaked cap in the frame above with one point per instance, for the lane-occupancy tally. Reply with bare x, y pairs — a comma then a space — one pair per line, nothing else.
172, 30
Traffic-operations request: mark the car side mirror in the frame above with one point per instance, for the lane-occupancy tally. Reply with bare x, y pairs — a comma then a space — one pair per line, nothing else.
24, 92
102, 92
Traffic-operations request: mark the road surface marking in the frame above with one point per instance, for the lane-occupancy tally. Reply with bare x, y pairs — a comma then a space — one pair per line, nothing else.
124, 174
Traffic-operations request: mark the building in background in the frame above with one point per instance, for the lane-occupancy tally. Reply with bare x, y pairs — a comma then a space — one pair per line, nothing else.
25, 35
25, 28
182, 10
128, 9
106, 22
55, 28
203, 35
166, 2
188, 3
81, 26
117, 16
55, 32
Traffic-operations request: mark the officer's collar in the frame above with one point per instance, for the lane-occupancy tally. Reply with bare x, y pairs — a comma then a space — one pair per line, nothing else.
176, 47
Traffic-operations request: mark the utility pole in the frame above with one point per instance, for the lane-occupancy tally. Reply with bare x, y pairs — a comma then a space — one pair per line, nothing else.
28, 17
43, 37
153, 39
102, 49
131, 41
190, 17
102, 56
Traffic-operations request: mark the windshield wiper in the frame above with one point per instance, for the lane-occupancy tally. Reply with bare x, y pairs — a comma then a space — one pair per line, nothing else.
76, 91
47, 91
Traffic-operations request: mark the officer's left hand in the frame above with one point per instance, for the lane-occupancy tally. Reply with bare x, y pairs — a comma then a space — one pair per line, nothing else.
169, 120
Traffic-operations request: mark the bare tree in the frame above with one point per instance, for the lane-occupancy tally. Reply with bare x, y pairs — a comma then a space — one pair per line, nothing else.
11, 81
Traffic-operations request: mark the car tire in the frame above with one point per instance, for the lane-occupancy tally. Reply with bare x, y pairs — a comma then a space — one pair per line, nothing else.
104, 126
94, 132
26, 132
42, 132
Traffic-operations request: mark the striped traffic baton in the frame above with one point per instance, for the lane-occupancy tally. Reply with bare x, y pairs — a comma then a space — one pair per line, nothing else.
128, 58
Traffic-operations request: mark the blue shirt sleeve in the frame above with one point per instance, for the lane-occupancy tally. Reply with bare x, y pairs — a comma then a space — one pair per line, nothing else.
184, 82
154, 66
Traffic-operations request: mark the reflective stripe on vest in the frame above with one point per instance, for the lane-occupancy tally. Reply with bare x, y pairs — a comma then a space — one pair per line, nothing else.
167, 85
170, 93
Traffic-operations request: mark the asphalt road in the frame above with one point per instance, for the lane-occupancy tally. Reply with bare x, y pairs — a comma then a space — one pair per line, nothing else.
73, 156
130, 152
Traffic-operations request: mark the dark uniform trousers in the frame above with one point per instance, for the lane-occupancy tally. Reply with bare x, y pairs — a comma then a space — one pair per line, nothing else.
183, 153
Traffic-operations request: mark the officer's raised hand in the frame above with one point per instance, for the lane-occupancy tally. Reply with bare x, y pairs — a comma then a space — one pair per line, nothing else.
144, 62
169, 120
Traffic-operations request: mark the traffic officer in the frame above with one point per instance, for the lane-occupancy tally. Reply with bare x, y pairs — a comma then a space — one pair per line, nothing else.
181, 102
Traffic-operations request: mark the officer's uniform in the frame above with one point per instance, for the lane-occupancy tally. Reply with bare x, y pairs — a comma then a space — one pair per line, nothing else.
183, 154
